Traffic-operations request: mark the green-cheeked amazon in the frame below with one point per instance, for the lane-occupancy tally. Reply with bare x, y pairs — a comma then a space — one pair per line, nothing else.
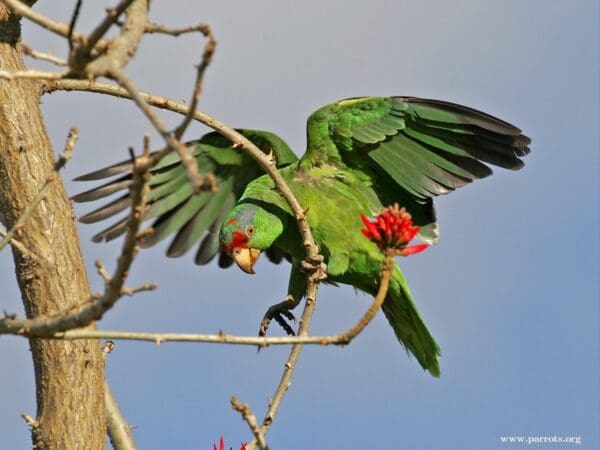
362, 154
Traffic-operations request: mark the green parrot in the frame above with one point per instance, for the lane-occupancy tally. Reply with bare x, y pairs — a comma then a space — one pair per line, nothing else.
362, 155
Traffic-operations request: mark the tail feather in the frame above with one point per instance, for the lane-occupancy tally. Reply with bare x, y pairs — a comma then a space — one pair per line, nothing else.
402, 314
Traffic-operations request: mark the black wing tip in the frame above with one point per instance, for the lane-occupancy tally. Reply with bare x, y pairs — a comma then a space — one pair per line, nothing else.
495, 123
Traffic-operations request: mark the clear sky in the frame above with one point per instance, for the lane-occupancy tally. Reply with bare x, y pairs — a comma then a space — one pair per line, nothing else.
511, 292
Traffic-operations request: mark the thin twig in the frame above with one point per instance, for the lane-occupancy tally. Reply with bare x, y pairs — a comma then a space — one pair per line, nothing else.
119, 431
43, 56
20, 247
207, 55
72, 23
162, 29
221, 338
120, 50
188, 161
20, 9
250, 418
81, 56
33, 424
62, 160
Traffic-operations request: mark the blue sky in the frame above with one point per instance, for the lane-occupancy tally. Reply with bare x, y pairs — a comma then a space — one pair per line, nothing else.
510, 293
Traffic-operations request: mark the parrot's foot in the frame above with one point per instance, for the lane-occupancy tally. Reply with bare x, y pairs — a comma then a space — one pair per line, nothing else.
315, 267
279, 312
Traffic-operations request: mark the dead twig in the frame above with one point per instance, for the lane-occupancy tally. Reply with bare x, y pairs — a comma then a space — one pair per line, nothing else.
188, 161
250, 418
222, 338
21, 9
20, 247
207, 55
81, 56
43, 56
154, 28
117, 427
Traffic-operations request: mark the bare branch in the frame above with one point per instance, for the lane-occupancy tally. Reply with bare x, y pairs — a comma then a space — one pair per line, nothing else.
112, 14
221, 338
43, 56
152, 28
72, 23
119, 431
384, 283
121, 49
64, 157
20, 247
250, 418
207, 55
20, 9
173, 144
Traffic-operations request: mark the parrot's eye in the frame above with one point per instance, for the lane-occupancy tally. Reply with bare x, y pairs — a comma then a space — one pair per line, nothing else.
250, 230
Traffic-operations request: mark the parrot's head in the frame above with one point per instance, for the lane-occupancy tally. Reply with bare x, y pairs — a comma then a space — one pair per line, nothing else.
247, 230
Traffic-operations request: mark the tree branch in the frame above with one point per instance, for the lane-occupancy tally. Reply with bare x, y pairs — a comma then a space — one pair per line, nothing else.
119, 431
43, 56
207, 55
20, 9
343, 338
154, 28
250, 418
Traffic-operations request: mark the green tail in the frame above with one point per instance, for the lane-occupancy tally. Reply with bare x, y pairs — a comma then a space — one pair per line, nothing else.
402, 314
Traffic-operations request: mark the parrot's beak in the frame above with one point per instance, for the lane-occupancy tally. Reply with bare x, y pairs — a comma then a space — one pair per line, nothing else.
245, 258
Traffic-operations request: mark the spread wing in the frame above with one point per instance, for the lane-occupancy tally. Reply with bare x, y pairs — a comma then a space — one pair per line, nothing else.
173, 206
413, 149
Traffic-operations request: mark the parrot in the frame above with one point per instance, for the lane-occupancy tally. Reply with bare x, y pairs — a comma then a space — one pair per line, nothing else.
362, 154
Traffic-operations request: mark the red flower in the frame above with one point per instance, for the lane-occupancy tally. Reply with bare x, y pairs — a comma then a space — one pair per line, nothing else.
222, 445
393, 229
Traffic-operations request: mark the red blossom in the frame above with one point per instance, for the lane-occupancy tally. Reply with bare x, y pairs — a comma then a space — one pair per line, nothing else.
222, 445
393, 229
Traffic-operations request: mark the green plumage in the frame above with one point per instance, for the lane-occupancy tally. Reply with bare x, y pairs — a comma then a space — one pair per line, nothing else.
362, 154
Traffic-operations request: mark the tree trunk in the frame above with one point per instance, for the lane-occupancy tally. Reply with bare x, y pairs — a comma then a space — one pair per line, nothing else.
69, 375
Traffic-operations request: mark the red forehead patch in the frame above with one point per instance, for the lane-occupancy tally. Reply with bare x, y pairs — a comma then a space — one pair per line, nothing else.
237, 240
232, 220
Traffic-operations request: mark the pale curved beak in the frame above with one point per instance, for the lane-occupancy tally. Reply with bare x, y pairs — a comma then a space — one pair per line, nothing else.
245, 258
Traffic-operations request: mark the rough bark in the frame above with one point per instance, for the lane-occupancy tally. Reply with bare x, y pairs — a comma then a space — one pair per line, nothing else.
69, 375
